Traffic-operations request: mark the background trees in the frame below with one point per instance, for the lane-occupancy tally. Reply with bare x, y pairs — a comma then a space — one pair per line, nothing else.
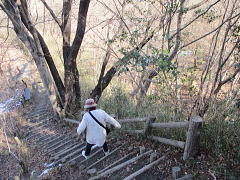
187, 48
19, 14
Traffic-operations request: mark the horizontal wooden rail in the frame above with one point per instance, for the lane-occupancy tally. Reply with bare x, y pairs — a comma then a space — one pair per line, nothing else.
172, 142
135, 131
133, 120
71, 121
170, 125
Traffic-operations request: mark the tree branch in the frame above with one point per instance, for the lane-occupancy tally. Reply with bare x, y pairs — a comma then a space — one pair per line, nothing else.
54, 72
207, 34
193, 20
196, 5
52, 13
97, 91
229, 79
81, 25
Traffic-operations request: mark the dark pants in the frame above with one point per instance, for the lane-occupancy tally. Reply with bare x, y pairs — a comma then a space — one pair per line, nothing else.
89, 146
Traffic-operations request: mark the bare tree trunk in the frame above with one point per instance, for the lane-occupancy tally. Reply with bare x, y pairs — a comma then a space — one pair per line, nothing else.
98, 90
58, 82
71, 76
202, 103
71, 72
147, 83
57, 79
23, 9
33, 45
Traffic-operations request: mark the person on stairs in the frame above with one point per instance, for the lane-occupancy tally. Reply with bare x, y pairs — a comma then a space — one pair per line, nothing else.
27, 93
94, 121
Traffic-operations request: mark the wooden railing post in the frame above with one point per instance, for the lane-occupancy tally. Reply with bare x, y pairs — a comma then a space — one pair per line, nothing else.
147, 127
193, 137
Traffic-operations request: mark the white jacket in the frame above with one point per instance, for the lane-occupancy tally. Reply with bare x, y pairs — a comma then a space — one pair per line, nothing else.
95, 133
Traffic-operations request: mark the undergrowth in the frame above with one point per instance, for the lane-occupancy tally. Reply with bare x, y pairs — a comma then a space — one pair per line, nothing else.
220, 138
220, 134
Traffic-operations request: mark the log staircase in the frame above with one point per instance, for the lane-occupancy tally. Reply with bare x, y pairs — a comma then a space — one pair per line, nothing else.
126, 160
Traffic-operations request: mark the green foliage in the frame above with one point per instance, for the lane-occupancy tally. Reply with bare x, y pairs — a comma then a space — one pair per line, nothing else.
118, 101
138, 61
172, 6
160, 57
236, 31
199, 11
210, 16
123, 36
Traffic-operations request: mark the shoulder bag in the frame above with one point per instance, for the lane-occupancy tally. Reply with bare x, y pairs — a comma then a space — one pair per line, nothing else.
106, 128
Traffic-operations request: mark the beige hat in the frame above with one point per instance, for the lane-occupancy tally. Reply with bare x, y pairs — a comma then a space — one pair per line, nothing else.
89, 103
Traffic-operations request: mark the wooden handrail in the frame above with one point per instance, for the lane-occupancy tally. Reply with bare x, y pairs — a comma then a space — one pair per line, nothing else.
134, 131
183, 124
144, 119
172, 142
133, 120
193, 133
71, 121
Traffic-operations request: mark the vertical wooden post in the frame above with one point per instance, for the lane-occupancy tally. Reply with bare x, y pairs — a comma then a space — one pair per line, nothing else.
193, 137
148, 128
142, 149
153, 157
176, 172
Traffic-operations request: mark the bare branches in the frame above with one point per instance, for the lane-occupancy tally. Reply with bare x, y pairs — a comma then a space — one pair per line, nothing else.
207, 34
97, 91
197, 17
118, 15
229, 79
52, 14
196, 5
223, 47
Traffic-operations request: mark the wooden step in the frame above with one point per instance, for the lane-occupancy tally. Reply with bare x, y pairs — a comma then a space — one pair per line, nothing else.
61, 147
120, 166
91, 165
51, 141
139, 172
57, 143
65, 151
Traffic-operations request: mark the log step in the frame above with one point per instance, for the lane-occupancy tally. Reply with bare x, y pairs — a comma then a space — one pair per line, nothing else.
120, 166
50, 142
61, 147
137, 173
67, 151
57, 143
